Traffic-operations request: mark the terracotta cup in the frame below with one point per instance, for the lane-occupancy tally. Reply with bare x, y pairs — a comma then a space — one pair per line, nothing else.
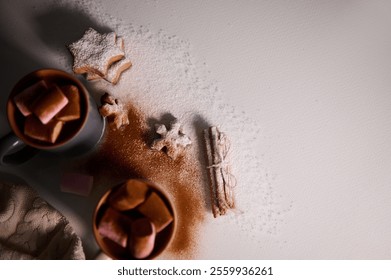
114, 251
77, 137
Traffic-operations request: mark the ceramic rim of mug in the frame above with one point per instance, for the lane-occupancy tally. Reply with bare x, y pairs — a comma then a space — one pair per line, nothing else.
160, 192
50, 75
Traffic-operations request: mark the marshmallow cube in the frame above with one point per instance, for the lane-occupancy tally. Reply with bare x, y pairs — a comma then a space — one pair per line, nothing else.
142, 239
115, 226
76, 183
129, 195
156, 210
49, 104
71, 111
38, 131
26, 98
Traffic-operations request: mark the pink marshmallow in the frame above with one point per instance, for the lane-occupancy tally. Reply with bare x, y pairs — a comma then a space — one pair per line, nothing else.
115, 226
77, 183
26, 98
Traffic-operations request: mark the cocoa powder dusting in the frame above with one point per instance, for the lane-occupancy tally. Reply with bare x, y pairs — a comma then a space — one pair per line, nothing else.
126, 153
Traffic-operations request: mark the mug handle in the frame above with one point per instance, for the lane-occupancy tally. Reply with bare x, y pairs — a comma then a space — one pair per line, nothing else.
14, 151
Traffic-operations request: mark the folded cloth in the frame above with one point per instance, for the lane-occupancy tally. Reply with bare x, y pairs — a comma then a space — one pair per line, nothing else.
30, 228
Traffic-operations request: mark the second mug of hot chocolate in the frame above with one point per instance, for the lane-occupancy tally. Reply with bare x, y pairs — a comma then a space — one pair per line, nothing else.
50, 110
134, 220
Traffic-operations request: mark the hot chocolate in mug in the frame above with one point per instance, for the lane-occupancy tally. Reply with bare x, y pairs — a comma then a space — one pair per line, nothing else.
134, 220
77, 136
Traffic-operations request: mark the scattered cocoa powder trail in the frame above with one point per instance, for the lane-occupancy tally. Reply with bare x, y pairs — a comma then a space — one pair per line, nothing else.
126, 153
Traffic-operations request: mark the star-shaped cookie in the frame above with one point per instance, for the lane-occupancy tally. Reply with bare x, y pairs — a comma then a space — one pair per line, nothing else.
95, 52
113, 108
115, 70
174, 140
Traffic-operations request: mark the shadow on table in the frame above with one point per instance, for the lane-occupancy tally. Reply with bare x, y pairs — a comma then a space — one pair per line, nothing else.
14, 64
151, 133
199, 124
61, 26
56, 28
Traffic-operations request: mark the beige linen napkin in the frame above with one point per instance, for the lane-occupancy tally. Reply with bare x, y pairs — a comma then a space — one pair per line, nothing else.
32, 229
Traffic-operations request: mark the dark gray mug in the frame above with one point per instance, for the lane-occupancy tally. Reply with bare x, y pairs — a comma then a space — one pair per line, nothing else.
79, 136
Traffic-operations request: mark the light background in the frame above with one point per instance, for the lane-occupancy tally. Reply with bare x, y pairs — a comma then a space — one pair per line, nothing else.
316, 78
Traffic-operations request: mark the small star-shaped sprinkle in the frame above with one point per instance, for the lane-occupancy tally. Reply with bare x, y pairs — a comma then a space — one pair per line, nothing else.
95, 52
112, 108
174, 140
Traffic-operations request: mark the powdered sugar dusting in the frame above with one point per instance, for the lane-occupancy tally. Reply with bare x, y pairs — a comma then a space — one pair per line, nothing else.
166, 79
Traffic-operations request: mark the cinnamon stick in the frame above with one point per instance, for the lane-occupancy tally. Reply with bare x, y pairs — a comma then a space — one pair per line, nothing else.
221, 179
